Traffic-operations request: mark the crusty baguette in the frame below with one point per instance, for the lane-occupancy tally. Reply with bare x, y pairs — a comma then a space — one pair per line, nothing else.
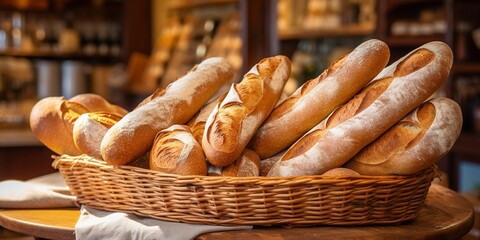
240, 112
52, 120
397, 90
246, 165
317, 98
197, 123
176, 151
133, 136
267, 163
96, 103
413, 144
340, 172
89, 130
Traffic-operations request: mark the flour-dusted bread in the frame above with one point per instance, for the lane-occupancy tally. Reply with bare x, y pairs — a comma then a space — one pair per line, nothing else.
176, 151
246, 165
89, 130
242, 110
52, 120
133, 135
317, 98
416, 142
96, 103
396, 91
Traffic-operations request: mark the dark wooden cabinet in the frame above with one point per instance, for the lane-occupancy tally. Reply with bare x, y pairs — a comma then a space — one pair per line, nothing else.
25, 162
406, 24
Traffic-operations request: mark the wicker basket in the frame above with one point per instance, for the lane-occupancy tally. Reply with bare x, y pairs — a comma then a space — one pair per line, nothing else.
292, 201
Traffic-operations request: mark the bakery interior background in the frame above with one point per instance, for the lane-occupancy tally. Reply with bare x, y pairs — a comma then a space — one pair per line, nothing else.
124, 50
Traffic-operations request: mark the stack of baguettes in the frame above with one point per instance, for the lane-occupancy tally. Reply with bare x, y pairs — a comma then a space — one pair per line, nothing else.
359, 116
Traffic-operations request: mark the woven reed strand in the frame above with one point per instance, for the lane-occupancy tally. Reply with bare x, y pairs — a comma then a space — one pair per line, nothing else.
263, 201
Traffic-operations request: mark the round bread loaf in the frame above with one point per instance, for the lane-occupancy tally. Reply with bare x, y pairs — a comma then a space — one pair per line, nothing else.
133, 135
52, 120
176, 151
242, 110
89, 130
416, 142
317, 98
396, 91
96, 103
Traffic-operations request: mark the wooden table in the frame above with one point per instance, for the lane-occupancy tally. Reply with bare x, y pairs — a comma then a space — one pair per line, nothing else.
446, 215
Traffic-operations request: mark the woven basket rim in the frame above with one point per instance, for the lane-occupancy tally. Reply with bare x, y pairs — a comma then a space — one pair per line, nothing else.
88, 160
262, 201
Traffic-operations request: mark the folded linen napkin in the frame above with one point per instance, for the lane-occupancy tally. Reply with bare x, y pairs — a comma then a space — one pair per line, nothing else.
48, 191
97, 224
51, 191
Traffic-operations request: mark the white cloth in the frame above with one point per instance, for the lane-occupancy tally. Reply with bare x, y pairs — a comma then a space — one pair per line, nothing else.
51, 191
48, 191
97, 224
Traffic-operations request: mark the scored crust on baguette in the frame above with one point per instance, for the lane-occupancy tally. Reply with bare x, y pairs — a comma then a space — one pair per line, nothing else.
96, 103
316, 98
52, 120
395, 92
133, 135
176, 151
197, 123
89, 130
416, 142
240, 112
246, 165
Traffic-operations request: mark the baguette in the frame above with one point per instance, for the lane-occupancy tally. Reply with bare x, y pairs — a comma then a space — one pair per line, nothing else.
89, 130
197, 123
340, 172
242, 110
176, 151
246, 165
133, 135
413, 144
317, 98
396, 91
52, 120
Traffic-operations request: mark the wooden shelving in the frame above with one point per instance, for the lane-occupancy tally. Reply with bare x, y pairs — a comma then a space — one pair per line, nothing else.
60, 56
344, 31
190, 4
409, 41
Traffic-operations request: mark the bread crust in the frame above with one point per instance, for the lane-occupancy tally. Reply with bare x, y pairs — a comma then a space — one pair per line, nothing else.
176, 151
416, 142
96, 103
396, 91
133, 136
246, 165
52, 120
317, 98
89, 130
240, 112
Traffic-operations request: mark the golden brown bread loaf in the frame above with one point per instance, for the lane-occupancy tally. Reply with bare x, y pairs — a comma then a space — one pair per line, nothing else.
413, 144
267, 163
246, 165
176, 151
397, 90
133, 136
96, 103
52, 120
197, 123
89, 130
340, 172
240, 112
317, 98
